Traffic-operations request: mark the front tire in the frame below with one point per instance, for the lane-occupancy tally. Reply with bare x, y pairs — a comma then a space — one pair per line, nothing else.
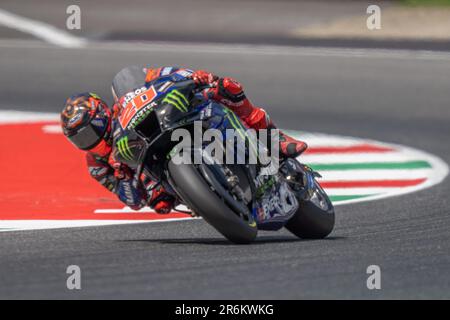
198, 195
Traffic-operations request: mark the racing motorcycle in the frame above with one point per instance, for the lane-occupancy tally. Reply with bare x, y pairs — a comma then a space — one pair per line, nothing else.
236, 199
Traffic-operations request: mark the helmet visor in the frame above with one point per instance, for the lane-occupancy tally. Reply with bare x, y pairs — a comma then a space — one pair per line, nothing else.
87, 137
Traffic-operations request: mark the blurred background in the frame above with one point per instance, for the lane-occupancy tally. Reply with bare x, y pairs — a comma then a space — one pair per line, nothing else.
405, 24
313, 65
254, 21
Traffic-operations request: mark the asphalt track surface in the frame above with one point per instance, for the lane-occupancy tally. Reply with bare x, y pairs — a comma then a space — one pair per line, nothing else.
399, 98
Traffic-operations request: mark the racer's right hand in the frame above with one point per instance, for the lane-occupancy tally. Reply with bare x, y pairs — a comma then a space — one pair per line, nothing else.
161, 201
121, 171
163, 207
202, 77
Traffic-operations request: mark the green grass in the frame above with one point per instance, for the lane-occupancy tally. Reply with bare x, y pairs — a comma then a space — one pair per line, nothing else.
427, 3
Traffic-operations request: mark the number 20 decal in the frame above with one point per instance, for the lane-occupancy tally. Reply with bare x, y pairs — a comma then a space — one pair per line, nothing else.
135, 105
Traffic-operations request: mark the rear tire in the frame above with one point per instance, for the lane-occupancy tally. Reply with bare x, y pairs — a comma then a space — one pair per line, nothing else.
311, 221
197, 194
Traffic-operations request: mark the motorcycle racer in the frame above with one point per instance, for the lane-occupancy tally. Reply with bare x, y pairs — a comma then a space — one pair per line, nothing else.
89, 123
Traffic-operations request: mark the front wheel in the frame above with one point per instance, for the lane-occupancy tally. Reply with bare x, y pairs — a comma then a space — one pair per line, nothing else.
200, 197
314, 218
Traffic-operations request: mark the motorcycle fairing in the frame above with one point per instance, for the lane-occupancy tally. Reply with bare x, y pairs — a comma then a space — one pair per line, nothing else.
274, 204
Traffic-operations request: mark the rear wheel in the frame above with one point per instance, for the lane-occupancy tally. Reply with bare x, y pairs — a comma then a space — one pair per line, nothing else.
206, 201
314, 218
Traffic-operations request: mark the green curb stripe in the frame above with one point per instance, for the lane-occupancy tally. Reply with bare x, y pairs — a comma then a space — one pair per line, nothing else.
371, 165
124, 148
348, 197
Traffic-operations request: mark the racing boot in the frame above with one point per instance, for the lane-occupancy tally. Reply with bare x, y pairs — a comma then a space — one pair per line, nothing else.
289, 147
231, 93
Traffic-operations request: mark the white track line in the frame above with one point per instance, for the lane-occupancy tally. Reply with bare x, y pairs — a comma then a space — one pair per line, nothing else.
12, 116
20, 225
362, 175
131, 211
263, 50
361, 191
356, 157
40, 30
242, 49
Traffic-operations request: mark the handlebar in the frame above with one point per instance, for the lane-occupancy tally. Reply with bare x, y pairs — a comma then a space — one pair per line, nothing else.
196, 87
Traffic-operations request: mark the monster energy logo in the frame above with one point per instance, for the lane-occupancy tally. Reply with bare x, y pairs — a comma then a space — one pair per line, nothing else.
177, 99
237, 125
124, 148
264, 187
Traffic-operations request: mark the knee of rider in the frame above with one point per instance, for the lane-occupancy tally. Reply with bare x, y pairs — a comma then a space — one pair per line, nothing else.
257, 119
